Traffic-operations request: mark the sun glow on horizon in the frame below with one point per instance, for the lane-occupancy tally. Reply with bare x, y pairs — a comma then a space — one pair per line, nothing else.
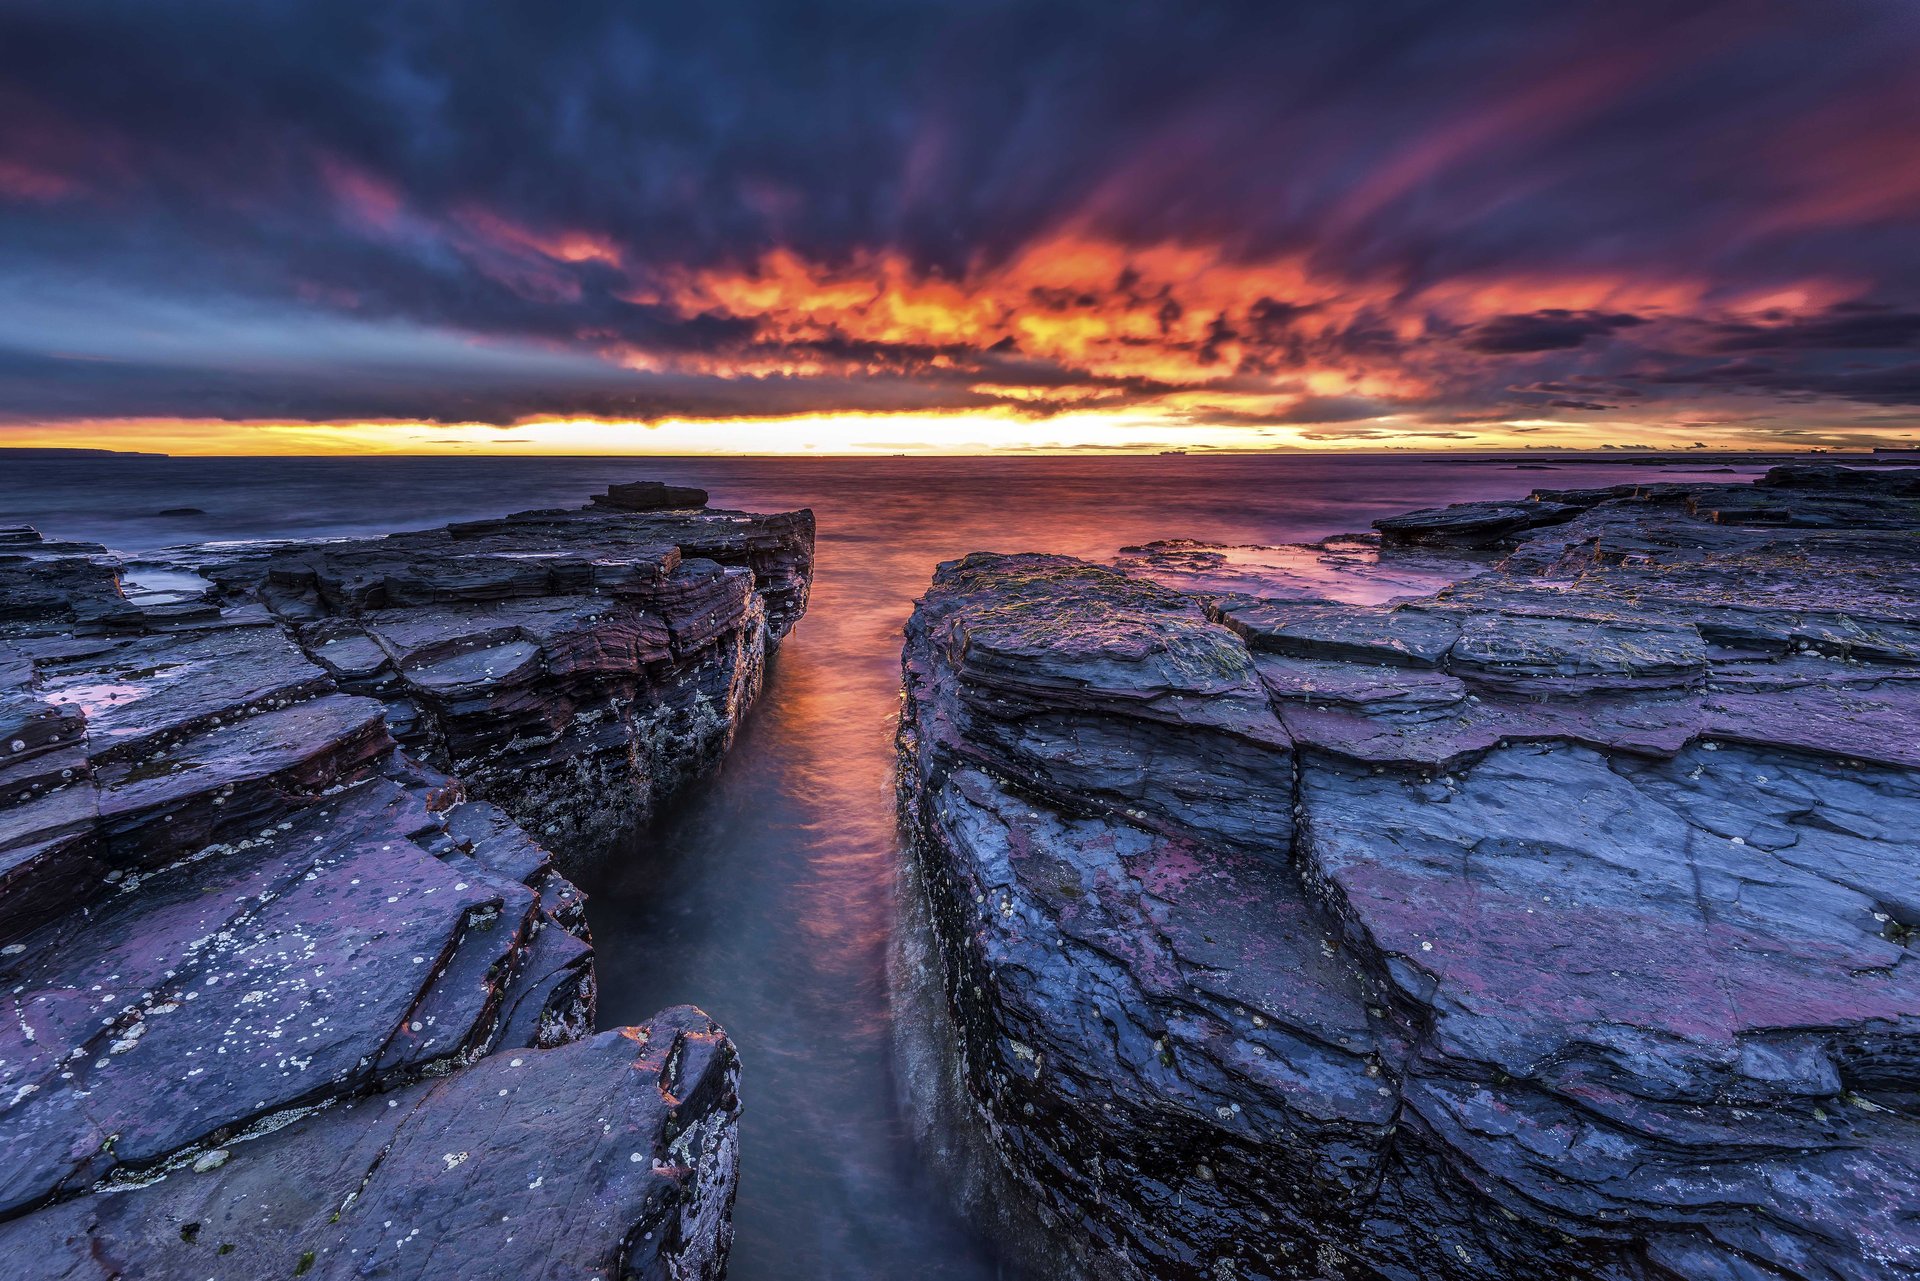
1141, 430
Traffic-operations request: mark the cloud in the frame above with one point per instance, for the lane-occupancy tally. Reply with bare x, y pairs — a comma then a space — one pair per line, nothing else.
1550, 329
1281, 216
1857, 326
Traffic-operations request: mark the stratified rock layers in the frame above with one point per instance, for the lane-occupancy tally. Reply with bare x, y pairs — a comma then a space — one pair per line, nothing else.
1557, 924
289, 988
576, 667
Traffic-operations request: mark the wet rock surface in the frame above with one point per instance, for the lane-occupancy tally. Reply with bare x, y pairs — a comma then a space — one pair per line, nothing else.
1555, 923
293, 983
576, 667
608, 1158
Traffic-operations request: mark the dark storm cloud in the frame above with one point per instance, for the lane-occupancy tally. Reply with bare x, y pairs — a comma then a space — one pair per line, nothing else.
583, 188
1886, 385
36, 388
1552, 329
1847, 327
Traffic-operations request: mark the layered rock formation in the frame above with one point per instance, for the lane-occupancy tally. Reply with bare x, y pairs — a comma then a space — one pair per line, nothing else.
290, 988
576, 667
1556, 923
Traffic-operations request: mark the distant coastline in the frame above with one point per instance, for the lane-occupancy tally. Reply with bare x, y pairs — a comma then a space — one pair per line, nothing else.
53, 451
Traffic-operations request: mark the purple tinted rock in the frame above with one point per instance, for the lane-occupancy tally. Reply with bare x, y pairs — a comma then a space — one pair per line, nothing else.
1365, 686
1622, 887
496, 842
1353, 568
455, 1176
1357, 633
1874, 724
253, 978
551, 998
1109, 690
575, 667
234, 777
1567, 657
231, 910
1471, 525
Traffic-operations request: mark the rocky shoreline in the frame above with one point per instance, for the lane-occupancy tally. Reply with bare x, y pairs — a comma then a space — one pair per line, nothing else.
297, 984
1528, 892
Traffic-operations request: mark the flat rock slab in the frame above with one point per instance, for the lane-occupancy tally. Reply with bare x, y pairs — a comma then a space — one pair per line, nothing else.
1472, 525
599, 1159
1365, 687
250, 980
1570, 657
1361, 634
651, 495
147, 689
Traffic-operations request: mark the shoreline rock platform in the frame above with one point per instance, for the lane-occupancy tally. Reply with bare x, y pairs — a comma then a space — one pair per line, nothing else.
296, 982
1526, 892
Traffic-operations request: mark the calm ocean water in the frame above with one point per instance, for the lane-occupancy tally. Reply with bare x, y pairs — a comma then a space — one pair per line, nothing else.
769, 897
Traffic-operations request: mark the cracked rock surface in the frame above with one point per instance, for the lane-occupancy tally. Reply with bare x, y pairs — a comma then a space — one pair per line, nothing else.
292, 981
1557, 922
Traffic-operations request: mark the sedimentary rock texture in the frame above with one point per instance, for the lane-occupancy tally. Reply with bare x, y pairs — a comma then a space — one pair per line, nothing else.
284, 993
1554, 924
576, 667
606, 1158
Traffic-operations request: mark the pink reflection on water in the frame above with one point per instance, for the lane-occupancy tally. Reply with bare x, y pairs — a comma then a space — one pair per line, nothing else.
1349, 570
94, 700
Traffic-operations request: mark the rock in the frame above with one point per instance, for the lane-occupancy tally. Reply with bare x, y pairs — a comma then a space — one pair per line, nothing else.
1582, 949
181, 511
277, 980
610, 1157
1142, 707
575, 667
651, 495
1471, 524
1571, 657
1903, 481
1309, 629
49, 581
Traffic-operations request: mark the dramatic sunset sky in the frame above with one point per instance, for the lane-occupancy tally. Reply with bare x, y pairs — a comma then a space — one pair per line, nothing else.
896, 225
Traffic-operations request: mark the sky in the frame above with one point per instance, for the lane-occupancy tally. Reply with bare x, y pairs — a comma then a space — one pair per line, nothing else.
890, 226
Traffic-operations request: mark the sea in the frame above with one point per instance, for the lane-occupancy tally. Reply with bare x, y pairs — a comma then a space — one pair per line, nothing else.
771, 895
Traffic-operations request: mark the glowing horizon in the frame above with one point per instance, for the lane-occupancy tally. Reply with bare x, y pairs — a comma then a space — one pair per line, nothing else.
981, 433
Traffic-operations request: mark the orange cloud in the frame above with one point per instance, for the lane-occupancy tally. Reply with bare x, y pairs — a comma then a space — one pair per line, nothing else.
1166, 313
502, 233
1165, 316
